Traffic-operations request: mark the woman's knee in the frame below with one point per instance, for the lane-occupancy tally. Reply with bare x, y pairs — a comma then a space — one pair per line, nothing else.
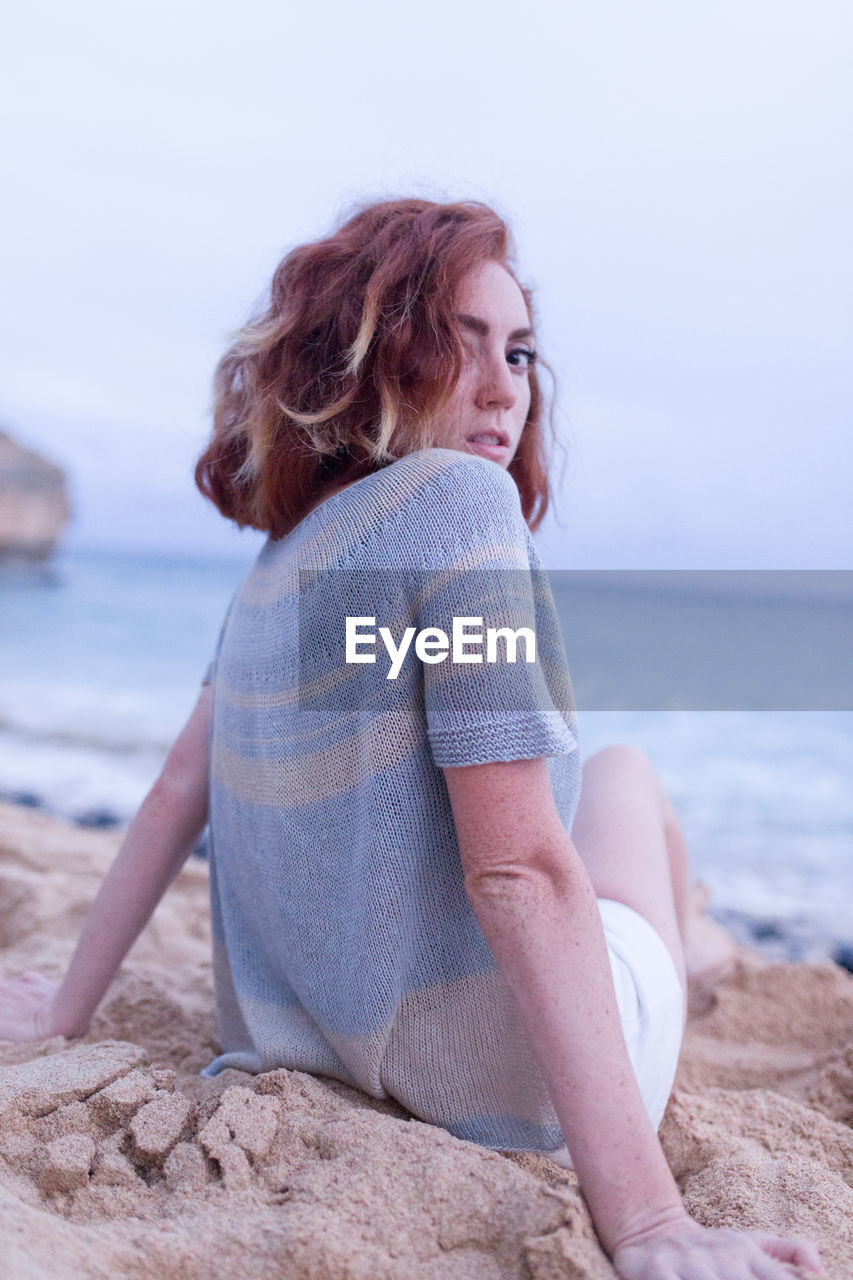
623, 763
621, 755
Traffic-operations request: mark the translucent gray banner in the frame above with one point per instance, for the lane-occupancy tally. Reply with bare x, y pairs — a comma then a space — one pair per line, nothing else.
644, 640
708, 640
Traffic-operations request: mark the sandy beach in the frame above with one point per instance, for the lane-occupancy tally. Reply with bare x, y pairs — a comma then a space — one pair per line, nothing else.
118, 1159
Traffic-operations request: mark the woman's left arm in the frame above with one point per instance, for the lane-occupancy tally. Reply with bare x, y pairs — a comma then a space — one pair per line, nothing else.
536, 905
158, 841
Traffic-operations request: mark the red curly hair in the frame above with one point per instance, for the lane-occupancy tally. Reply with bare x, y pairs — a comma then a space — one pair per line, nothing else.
351, 361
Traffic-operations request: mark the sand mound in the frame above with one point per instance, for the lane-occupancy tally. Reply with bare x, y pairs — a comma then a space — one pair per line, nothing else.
118, 1159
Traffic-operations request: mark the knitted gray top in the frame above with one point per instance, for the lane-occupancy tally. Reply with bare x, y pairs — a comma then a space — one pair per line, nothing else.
345, 943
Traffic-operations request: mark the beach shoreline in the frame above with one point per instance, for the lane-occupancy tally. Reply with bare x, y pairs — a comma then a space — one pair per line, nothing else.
117, 1158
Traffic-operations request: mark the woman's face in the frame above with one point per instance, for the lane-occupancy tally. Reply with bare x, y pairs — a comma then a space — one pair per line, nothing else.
490, 402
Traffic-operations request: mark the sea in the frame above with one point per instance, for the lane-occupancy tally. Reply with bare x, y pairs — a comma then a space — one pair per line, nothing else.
102, 654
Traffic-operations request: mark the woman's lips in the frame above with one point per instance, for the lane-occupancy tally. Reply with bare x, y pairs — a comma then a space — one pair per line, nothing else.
487, 448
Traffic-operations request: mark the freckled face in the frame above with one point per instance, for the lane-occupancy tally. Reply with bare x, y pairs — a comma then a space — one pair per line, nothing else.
490, 402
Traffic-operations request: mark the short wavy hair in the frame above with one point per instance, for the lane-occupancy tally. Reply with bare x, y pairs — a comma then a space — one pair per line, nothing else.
350, 361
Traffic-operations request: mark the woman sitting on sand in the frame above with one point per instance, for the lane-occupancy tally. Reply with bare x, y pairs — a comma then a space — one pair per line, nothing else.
415, 889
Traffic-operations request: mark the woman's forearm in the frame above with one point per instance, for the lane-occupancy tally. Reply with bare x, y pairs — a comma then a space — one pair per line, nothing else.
164, 831
544, 929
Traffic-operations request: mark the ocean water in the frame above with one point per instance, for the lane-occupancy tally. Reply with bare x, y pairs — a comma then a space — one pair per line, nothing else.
101, 657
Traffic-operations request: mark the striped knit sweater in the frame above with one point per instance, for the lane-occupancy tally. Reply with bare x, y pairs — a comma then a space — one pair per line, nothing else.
344, 940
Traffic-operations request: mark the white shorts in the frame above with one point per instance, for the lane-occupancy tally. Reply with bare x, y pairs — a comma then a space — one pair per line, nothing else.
650, 999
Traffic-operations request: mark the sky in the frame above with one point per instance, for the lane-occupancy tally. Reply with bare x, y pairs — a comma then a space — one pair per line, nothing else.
679, 179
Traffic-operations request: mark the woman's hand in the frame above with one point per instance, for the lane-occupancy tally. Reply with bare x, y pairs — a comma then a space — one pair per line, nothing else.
27, 1008
158, 841
689, 1251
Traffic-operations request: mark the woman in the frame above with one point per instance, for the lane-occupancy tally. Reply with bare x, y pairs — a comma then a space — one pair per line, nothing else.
414, 889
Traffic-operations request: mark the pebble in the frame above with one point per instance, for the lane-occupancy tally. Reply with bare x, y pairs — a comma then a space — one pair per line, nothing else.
122, 1099
252, 1119
114, 1170
185, 1168
236, 1170
158, 1126
66, 1163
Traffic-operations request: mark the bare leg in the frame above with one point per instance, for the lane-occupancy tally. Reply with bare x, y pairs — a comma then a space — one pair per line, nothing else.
679, 866
628, 836
709, 951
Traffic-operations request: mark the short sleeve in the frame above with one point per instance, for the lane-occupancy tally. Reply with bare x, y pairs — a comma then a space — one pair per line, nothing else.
508, 697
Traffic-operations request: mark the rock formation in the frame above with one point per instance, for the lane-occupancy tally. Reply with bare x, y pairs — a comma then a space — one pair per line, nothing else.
33, 502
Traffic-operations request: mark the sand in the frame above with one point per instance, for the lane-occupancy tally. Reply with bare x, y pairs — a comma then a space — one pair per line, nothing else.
117, 1159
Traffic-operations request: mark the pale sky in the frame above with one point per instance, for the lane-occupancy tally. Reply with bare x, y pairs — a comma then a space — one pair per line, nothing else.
679, 179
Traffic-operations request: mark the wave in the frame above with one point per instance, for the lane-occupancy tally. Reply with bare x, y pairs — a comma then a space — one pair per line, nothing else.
81, 752
80, 716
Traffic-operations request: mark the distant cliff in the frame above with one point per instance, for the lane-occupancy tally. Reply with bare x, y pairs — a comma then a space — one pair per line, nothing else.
33, 502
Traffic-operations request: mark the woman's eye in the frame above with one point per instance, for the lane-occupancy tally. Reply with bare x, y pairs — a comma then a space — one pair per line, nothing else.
529, 357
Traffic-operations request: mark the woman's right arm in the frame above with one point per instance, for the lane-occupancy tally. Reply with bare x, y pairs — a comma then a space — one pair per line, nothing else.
158, 841
536, 906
